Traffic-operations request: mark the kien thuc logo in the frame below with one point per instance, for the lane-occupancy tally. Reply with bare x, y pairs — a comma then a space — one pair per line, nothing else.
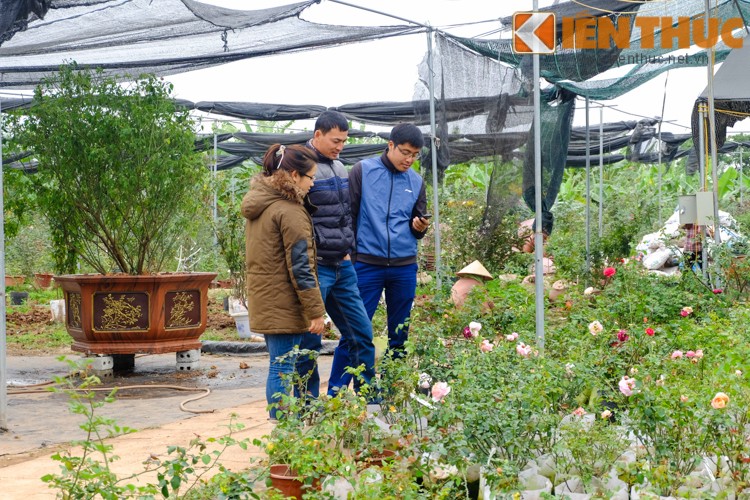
534, 32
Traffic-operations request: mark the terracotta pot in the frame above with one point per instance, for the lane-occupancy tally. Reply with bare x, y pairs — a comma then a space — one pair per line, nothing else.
284, 479
15, 280
43, 280
461, 289
122, 314
559, 288
374, 458
225, 283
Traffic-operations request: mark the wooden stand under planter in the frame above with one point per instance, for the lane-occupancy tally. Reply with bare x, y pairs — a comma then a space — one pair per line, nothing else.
123, 314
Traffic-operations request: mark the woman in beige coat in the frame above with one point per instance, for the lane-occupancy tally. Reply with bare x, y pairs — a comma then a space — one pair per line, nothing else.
284, 299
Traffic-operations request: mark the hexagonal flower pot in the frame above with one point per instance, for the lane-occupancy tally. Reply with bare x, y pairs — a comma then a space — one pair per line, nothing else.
123, 314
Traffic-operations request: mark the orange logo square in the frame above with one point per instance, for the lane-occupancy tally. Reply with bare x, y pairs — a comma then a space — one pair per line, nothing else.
534, 32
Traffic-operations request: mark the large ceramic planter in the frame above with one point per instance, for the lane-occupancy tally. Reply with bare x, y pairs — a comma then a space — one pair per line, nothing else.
122, 314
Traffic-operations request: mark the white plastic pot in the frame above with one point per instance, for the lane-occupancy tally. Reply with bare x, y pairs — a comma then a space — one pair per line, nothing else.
242, 320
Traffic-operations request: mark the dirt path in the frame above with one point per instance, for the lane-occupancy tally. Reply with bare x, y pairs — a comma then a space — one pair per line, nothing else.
40, 424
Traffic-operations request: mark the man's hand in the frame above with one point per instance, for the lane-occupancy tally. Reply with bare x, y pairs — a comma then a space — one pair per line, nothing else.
317, 326
420, 224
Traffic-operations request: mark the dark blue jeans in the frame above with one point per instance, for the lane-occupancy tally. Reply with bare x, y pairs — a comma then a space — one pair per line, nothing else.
338, 287
400, 285
283, 343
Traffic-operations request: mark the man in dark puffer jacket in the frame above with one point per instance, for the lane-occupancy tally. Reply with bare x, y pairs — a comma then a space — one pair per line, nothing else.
334, 238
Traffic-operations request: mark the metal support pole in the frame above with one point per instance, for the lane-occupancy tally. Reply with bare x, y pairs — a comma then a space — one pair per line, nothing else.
741, 182
216, 188
433, 150
601, 171
3, 339
661, 119
538, 238
702, 163
588, 193
712, 134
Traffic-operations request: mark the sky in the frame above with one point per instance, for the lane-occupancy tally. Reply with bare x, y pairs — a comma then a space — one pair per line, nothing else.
386, 70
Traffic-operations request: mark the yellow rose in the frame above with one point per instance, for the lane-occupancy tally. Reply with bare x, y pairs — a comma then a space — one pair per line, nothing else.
720, 400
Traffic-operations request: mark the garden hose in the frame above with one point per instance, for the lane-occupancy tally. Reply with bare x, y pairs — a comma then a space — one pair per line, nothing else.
39, 389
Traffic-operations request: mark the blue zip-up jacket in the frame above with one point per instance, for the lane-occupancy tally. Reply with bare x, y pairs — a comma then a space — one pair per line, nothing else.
334, 232
384, 201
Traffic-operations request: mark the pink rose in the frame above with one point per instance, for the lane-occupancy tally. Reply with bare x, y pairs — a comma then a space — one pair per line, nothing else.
690, 354
699, 353
467, 332
686, 311
717, 291
609, 272
523, 350
676, 355
622, 335
579, 412
626, 385
439, 391
512, 337
650, 332
486, 346
683, 399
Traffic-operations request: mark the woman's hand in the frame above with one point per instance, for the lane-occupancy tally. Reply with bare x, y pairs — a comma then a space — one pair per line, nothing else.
317, 326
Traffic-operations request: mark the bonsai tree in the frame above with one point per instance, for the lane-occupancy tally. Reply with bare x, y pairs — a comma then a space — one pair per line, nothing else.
118, 177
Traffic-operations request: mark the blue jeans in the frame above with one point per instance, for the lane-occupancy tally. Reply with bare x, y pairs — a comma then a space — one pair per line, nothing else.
338, 287
283, 343
400, 285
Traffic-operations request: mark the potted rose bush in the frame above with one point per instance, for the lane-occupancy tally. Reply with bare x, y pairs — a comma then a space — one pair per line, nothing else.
119, 182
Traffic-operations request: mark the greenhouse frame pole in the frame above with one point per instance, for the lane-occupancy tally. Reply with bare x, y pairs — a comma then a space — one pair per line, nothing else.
3, 339
601, 171
215, 169
712, 136
588, 193
740, 175
433, 154
702, 164
538, 237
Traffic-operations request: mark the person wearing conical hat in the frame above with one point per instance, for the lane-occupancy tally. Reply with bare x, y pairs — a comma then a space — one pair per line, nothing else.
470, 276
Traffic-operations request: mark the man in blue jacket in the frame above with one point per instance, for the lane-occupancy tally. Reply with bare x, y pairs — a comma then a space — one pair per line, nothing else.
334, 238
389, 208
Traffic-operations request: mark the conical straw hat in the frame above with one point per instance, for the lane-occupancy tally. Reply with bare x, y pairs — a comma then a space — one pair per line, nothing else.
475, 269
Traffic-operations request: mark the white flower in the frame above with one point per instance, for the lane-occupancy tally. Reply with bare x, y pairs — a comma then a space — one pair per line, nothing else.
595, 328
474, 327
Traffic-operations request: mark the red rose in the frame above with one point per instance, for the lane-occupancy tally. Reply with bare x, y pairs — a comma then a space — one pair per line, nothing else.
609, 272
